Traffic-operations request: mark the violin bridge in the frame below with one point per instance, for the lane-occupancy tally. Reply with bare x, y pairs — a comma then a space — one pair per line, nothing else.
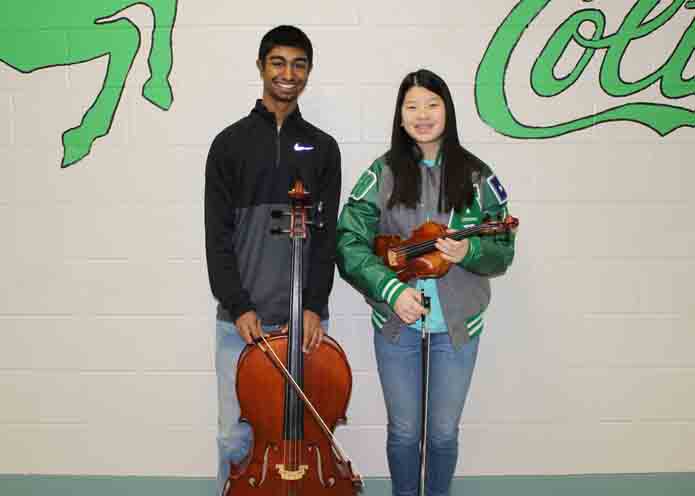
291, 475
392, 258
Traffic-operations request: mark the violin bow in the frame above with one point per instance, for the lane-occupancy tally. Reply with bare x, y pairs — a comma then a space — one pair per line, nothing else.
425, 391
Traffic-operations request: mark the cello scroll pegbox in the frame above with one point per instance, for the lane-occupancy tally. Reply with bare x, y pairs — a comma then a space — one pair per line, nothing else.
299, 212
298, 194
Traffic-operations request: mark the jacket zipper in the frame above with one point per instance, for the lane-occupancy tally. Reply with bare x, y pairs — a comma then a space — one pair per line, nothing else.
277, 150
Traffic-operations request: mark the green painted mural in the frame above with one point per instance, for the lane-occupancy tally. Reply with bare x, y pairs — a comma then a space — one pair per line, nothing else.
491, 98
38, 34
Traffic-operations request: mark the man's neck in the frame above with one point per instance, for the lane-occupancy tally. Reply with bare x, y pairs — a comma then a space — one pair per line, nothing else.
279, 108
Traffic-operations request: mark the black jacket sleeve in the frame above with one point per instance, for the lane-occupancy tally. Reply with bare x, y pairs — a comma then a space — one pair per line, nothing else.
223, 268
323, 244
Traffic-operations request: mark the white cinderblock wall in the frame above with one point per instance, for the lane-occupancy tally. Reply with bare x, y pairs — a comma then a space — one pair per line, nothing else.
106, 318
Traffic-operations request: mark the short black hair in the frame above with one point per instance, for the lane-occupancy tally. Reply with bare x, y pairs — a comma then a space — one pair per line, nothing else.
286, 36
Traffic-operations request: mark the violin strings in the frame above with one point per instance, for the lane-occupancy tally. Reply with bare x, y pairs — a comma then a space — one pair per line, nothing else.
426, 245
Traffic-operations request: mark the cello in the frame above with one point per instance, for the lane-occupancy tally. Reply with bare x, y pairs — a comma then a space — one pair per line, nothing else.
292, 401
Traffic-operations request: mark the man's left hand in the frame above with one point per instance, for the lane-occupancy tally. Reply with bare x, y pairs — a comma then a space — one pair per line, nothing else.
313, 333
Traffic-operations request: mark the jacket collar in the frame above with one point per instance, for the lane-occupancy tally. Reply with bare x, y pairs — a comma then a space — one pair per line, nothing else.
267, 115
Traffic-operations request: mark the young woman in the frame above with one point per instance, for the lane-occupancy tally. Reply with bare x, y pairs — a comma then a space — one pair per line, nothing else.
425, 175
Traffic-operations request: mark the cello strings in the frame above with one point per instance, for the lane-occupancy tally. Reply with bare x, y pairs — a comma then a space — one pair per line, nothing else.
340, 451
337, 447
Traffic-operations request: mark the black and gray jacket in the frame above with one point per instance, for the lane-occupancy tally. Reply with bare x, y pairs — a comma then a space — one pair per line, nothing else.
251, 166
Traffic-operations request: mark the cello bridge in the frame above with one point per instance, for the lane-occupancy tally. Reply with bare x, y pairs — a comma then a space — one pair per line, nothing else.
291, 475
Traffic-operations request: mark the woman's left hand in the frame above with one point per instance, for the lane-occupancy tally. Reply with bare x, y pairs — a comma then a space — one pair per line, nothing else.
452, 251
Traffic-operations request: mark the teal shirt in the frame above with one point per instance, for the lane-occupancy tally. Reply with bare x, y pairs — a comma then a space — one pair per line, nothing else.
435, 319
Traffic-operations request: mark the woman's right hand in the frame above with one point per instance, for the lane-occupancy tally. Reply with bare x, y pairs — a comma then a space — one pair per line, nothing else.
409, 307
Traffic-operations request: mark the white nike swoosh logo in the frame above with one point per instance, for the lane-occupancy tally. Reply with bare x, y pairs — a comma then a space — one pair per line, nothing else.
302, 148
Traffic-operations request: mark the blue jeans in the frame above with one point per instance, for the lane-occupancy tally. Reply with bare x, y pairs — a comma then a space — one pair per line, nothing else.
400, 372
233, 437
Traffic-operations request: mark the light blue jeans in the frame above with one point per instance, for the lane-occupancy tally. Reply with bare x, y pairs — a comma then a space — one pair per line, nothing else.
233, 437
400, 372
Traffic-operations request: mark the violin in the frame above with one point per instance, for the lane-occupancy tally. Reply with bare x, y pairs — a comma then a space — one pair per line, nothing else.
293, 401
418, 257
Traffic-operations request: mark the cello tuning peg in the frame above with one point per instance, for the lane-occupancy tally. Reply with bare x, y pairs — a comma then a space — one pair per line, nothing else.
317, 217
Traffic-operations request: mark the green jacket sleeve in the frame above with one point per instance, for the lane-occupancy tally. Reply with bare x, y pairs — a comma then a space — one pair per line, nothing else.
493, 254
357, 226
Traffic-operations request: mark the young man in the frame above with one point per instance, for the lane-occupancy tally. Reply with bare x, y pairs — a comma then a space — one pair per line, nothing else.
251, 166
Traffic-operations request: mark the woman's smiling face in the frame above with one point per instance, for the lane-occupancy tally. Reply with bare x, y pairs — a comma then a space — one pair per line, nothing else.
423, 116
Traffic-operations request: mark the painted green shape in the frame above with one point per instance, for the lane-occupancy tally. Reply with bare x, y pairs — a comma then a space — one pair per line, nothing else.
39, 34
491, 99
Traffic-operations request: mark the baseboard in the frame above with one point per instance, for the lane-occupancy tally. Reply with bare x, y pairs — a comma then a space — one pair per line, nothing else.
662, 484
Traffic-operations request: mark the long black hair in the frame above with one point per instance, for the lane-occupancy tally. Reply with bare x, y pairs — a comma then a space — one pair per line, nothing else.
404, 156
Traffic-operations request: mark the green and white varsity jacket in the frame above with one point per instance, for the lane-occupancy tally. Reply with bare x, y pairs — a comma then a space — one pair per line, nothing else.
464, 292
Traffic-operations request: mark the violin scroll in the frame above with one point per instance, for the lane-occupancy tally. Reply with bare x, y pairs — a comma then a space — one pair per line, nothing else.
508, 225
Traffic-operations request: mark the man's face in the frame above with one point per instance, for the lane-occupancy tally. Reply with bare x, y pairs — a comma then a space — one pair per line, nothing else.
285, 72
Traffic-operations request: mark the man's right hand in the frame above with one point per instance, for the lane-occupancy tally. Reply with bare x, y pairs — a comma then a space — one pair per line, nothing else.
248, 326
